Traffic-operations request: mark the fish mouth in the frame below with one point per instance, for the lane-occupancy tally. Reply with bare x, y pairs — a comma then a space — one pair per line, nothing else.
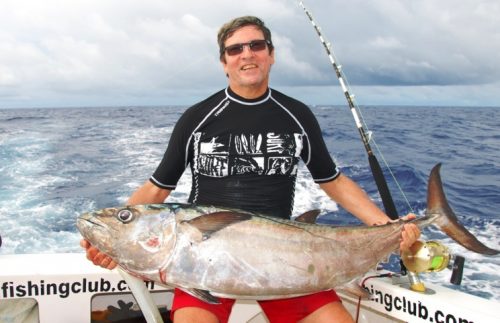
88, 225
89, 222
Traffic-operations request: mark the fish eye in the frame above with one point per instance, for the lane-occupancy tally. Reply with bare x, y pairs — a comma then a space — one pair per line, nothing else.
125, 216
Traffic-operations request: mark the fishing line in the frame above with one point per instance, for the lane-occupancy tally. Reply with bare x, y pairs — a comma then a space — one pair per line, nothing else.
400, 189
366, 135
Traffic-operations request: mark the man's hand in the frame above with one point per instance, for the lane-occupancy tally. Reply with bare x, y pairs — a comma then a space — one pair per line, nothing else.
410, 234
97, 257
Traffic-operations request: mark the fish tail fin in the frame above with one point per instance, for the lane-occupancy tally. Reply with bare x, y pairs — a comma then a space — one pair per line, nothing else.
446, 220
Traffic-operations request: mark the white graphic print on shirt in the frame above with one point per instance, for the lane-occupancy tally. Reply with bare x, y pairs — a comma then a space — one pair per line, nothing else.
277, 154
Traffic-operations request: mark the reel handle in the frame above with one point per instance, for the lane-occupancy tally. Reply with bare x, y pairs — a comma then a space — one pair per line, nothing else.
457, 270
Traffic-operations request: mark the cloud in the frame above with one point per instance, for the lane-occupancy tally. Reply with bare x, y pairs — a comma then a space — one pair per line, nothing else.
390, 43
130, 52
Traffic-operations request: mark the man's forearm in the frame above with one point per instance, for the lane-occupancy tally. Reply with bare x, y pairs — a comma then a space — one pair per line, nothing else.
148, 193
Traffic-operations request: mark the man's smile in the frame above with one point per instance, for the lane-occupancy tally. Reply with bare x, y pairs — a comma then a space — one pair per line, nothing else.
248, 66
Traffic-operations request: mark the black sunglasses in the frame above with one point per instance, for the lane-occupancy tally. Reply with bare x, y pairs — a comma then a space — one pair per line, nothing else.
254, 45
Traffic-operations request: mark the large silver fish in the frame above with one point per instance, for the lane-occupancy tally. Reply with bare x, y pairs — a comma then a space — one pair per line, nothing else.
209, 251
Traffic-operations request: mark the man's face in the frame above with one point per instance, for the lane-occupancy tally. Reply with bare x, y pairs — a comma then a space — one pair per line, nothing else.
248, 72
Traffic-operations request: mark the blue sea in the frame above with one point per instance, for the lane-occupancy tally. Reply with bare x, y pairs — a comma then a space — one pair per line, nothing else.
58, 163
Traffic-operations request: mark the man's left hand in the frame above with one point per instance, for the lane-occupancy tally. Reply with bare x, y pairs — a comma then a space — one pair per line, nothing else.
410, 234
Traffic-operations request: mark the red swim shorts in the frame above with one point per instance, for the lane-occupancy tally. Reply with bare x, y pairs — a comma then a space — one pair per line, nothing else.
277, 311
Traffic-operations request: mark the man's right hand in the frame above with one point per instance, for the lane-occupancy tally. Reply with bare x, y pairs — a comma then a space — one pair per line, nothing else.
98, 258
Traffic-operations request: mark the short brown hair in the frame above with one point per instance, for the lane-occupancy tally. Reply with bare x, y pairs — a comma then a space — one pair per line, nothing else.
230, 27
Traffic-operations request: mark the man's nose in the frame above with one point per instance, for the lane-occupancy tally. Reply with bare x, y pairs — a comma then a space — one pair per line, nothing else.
247, 51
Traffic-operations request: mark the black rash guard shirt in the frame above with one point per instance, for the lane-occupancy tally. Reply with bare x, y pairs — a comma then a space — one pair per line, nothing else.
244, 153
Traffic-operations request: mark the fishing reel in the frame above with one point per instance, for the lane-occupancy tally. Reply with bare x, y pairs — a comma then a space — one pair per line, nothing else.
431, 256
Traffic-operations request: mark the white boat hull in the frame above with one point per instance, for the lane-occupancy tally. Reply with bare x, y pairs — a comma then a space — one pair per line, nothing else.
68, 288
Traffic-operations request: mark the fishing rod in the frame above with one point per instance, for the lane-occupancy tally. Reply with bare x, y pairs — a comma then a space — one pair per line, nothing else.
377, 172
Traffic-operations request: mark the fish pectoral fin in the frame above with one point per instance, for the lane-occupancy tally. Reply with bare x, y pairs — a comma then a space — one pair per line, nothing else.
354, 289
204, 295
308, 217
207, 224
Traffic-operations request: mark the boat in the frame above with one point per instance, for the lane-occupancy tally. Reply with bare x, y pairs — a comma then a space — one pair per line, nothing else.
66, 287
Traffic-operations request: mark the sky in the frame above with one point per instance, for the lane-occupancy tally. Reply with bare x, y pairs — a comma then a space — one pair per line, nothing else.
79, 53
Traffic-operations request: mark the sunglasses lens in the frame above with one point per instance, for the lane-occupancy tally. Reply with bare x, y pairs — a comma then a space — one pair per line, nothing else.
257, 45
234, 49
254, 45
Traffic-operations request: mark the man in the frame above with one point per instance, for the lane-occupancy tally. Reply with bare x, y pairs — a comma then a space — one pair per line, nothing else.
243, 145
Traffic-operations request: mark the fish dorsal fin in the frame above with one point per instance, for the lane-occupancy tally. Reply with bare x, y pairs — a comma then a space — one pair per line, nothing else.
308, 217
207, 224
204, 295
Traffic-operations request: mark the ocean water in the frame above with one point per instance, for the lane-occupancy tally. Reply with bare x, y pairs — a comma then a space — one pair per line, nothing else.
58, 163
